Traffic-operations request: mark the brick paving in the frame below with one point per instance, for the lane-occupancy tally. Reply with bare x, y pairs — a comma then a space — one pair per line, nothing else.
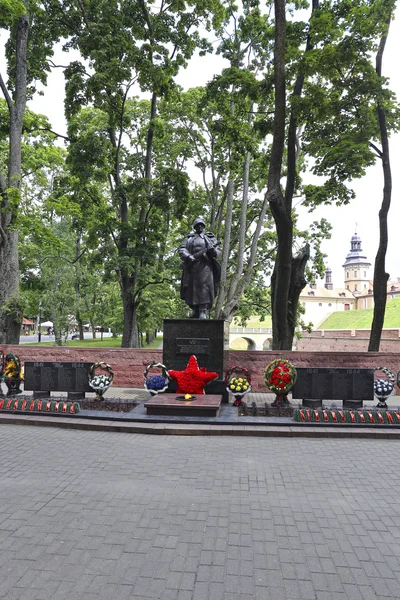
101, 515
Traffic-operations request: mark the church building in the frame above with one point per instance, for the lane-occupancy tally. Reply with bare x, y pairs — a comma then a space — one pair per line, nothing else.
356, 293
356, 268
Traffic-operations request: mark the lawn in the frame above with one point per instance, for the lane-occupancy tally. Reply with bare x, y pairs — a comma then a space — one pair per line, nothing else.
109, 342
362, 319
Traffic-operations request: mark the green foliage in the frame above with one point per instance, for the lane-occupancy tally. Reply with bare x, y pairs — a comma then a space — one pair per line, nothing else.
14, 307
123, 187
10, 10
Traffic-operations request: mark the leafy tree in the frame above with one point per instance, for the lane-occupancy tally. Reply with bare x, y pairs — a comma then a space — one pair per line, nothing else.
384, 110
16, 18
125, 44
324, 96
28, 47
228, 126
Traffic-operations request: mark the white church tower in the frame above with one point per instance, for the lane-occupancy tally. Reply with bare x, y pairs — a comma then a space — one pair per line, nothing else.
356, 268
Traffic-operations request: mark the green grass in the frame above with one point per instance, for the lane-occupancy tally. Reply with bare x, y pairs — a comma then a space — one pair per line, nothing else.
362, 319
255, 322
108, 342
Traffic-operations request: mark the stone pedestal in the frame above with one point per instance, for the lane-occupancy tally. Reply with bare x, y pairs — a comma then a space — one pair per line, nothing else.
207, 339
312, 403
168, 404
352, 404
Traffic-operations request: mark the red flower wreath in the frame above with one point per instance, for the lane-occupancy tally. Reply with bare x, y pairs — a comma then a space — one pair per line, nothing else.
192, 380
280, 376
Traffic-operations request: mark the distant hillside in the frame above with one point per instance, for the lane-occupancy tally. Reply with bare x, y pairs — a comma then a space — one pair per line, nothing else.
362, 319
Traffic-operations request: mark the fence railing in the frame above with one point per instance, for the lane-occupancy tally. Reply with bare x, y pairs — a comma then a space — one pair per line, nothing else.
250, 330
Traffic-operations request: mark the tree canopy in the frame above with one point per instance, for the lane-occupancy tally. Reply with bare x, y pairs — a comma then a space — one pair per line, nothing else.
106, 204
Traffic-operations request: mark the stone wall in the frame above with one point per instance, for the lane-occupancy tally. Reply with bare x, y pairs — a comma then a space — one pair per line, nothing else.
129, 364
347, 340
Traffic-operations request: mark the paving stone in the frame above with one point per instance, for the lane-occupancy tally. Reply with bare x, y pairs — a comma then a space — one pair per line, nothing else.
102, 514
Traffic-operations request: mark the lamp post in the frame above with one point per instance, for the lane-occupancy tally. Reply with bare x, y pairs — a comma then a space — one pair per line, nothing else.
38, 322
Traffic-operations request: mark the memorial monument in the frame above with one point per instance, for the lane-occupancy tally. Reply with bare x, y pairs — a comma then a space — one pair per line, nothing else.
201, 272
207, 339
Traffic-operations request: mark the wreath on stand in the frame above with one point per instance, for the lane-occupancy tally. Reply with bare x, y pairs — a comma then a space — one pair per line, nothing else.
384, 387
279, 377
12, 373
1, 368
100, 382
155, 384
238, 383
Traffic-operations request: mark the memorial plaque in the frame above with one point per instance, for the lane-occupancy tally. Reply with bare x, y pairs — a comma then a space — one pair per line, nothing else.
57, 376
334, 384
205, 339
192, 346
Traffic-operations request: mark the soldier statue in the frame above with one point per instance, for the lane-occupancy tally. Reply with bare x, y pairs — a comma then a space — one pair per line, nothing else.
201, 272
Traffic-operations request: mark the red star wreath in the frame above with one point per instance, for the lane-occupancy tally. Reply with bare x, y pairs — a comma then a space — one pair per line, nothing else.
192, 380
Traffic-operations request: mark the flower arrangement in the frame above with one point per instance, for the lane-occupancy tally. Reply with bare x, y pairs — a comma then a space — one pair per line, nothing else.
193, 379
102, 381
384, 387
155, 384
280, 376
239, 385
12, 373
238, 382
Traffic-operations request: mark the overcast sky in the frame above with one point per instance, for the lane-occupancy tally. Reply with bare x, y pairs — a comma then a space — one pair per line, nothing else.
363, 210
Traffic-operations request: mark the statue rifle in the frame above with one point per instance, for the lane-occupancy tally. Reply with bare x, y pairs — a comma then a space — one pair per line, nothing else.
200, 253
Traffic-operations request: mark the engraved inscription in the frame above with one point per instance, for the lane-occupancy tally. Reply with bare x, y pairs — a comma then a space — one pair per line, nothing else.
192, 346
334, 384
57, 376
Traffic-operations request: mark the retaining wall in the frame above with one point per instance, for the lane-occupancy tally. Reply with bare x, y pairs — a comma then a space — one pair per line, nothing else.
129, 364
348, 340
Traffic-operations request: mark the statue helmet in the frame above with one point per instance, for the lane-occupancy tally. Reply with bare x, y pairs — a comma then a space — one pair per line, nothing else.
197, 221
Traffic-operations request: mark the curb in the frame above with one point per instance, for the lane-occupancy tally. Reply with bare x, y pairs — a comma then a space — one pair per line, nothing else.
208, 430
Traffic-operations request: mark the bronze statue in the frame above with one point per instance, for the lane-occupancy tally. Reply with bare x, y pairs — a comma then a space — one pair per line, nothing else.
201, 273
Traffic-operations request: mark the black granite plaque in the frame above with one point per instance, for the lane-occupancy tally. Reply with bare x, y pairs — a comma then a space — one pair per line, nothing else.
191, 346
334, 384
57, 376
211, 337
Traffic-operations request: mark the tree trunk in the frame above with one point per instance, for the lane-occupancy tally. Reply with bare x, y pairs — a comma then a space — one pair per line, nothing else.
380, 275
9, 261
297, 283
80, 328
282, 339
10, 319
225, 252
288, 276
130, 337
280, 280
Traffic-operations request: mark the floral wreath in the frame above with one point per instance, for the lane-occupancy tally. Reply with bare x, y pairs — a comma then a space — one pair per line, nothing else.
12, 368
238, 382
384, 387
1, 362
155, 384
280, 376
100, 382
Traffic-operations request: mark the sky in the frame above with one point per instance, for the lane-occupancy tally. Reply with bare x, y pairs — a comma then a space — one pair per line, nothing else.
360, 215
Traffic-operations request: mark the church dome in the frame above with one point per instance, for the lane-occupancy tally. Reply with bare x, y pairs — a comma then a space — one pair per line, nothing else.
356, 254
355, 238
